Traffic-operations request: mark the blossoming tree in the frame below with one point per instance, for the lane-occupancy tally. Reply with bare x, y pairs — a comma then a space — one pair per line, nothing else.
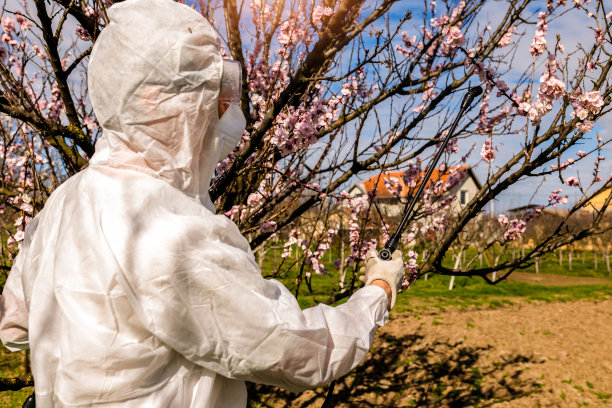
334, 90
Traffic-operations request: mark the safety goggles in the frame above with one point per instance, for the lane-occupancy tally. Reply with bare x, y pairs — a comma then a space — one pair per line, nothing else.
231, 82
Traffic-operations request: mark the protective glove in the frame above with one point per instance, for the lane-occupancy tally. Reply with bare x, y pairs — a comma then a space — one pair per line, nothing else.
391, 272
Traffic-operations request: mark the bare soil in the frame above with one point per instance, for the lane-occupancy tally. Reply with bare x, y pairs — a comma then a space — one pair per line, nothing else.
555, 280
523, 355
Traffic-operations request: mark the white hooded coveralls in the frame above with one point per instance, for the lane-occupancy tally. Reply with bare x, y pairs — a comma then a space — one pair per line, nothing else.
128, 289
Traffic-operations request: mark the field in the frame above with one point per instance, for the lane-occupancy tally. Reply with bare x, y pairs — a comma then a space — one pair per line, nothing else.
534, 340
534, 354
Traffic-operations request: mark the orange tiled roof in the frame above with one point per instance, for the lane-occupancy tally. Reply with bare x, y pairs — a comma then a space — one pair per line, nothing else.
382, 191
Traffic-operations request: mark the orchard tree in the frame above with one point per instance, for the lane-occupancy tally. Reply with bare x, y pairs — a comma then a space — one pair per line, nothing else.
335, 90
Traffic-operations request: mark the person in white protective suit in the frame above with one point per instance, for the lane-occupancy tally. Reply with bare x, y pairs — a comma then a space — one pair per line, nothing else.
128, 289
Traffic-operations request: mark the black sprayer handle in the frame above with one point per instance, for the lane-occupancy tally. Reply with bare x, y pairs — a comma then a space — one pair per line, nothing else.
393, 242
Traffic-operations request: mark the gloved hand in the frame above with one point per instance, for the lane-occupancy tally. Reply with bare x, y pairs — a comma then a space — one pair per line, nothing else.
391, 272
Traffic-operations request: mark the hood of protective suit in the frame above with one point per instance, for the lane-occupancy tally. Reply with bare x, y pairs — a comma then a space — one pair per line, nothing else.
154, 78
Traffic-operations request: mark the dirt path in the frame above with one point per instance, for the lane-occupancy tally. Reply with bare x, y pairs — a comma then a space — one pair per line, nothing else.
524, 355
555, 280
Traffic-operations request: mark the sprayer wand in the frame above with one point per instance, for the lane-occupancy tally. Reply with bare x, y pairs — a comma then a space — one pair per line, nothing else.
391, 245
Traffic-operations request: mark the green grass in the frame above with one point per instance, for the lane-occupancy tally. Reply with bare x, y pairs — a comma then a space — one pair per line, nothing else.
467, 291
434, 293
10, 366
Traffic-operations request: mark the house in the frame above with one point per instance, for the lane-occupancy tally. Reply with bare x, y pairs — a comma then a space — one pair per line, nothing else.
392, 206
597, 202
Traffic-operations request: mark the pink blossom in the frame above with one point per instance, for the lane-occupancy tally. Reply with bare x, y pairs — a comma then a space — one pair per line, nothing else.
524, 108
25, 204
8, 25
89, 12
599, 37
454, 37
572, 182
551, 88
584, 127
457, 10
411, 268
290, 33
7, 39
538, 45
589, 103
83, 34
533, 213
268, 226
393, 185
507, 38
555, 198
516, 229
488, 152
319, 12
411, 174
591, 66
90, 122
561, 48
313, 258
294, 235
503, 220
404, 51
39, 52
23, 22
581, 153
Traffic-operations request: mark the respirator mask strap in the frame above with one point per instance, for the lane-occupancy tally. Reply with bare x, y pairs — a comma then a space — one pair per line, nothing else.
231, 82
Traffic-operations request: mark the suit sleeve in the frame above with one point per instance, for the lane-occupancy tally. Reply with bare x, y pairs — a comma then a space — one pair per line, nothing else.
216, 310
13, 309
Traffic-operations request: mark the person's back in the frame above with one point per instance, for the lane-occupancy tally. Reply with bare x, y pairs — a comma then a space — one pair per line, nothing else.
89, 344
128, 289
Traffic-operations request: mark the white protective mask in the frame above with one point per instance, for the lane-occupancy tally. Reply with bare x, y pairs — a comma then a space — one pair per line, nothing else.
231, 128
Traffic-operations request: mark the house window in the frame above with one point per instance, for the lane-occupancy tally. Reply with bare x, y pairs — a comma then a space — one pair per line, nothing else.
463, 197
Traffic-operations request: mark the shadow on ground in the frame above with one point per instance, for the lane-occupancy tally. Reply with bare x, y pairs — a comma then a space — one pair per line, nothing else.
409, 371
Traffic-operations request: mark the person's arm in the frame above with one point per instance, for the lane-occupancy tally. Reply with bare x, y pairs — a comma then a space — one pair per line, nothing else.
205, 298
384, 286
13, 309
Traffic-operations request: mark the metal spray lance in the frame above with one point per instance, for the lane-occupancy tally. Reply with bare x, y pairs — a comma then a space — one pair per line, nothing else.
392, 243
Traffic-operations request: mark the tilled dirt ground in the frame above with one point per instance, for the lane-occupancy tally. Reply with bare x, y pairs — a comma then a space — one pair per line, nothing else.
555, 280
524, 355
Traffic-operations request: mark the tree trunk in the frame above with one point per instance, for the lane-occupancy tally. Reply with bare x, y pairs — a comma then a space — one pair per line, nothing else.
513, 253
480, 259
537, 265
25, 362
583, 256
560, 257
260, 258
569, 260
457, 266
595, 260
342, 270
608, 263
425, 255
